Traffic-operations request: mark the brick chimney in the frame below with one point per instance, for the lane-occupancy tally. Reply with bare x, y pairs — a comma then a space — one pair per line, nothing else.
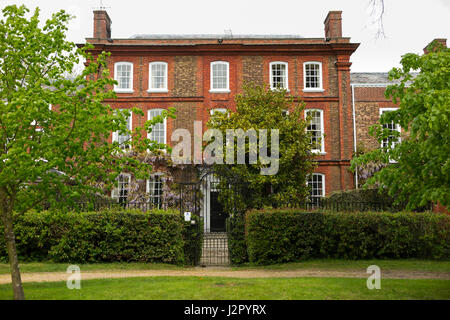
102, 25
333, 25
438, 41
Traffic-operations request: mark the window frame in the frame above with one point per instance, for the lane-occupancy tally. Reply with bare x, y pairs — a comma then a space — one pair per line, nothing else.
116, 87
164, 123
211, 79
147, 188
320, 88
150, 82
322, 175
115, 134
221, 110
116, 193
398, 128
322, 131
271, 64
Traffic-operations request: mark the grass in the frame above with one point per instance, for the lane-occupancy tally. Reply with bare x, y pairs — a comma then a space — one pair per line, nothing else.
341, 265
325, 264
62, 267
212, 288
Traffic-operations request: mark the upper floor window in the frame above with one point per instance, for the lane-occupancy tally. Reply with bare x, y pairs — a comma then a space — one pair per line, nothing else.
123, 74
158, 77
155, 189
312, 76
124, 138
220, 76
279, 75
158, 133
316, 184
392, 140
315, 127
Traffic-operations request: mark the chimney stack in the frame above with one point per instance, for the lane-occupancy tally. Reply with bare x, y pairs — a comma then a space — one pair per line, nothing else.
102, 25
333, 25
438, 41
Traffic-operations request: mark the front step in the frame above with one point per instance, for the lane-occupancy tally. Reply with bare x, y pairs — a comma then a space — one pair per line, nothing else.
215, 249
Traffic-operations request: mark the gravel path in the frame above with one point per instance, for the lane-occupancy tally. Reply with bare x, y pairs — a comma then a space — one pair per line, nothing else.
225, 272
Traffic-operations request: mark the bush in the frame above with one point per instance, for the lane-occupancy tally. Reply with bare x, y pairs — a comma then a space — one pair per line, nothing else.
193, 241
103, 236
237, 246
279, 236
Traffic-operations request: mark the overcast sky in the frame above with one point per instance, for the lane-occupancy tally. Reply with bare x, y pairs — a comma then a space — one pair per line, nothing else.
408, 24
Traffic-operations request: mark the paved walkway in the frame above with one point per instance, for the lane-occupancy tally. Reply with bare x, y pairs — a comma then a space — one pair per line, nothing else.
225, 272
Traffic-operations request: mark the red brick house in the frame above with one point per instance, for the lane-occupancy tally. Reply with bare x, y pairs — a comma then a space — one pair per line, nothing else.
198, 73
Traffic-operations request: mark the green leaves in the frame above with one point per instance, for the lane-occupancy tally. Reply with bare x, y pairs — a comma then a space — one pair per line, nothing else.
421, 172
54, 126
261, 108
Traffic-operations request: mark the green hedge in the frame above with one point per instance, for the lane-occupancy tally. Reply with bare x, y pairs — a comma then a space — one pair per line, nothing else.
104, 236
237, 246
278, 236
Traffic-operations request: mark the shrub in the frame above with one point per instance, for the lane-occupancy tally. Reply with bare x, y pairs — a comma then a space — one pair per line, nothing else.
237, 245
103, 236
279, 236
193, 241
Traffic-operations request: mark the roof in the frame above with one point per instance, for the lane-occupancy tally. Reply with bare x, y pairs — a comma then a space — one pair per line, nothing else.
213, 36
373, 78
369, 77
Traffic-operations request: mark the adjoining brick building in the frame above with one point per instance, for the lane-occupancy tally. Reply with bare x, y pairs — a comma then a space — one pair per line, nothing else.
199, 73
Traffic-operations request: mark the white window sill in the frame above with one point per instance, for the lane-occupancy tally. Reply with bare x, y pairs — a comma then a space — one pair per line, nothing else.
280, 89
318, 153
157, 91
219, 91
313, 90
123, 91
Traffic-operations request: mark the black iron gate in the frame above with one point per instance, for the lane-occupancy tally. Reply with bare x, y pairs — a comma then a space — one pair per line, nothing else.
214, 198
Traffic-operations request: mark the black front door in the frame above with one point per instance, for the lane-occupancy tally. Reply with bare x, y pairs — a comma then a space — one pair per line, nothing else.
217, 214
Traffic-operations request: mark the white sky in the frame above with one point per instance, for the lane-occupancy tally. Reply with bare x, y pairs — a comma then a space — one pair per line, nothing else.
409, 24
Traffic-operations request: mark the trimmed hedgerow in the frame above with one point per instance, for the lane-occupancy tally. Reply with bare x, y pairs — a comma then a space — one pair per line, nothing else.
103, 236
237, 246
193, 241
278, 236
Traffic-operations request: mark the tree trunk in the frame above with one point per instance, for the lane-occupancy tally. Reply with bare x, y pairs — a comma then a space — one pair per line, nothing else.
10, 240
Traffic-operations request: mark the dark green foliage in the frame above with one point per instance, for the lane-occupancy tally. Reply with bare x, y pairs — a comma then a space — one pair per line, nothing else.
279, 236
237, 246
193, 241
104, 236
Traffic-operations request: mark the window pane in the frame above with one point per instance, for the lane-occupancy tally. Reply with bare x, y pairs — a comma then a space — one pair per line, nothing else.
158, 76
316, 130
124, 76
158, 130
316, 187
219, 76
279, 76
312, 75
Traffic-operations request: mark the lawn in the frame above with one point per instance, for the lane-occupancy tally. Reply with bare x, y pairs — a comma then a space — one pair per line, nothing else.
212, 288
318, 264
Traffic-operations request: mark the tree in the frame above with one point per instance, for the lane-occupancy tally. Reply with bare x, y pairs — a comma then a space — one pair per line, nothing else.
417, 168
55, 155
261, 108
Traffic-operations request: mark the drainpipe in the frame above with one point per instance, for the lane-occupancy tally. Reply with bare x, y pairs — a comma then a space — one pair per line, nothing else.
354, 131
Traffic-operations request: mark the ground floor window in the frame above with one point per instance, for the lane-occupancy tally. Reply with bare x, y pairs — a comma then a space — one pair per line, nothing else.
316, 183
155, 186
123, 188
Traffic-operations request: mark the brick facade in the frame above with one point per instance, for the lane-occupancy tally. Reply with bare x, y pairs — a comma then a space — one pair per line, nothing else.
249, 57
